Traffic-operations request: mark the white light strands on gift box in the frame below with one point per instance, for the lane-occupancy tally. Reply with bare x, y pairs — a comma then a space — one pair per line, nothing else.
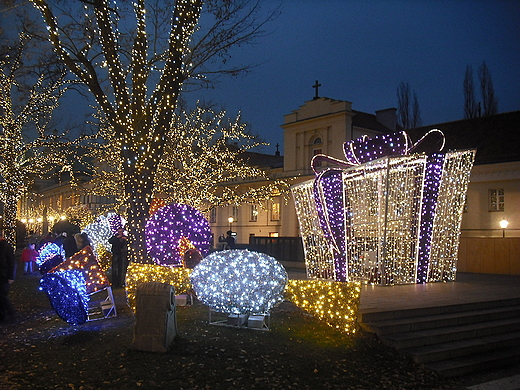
396, 218
442, 265
384, 201
239, 282
319, 259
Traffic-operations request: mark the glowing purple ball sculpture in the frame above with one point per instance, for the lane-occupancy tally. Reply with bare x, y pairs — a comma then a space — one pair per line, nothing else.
165, 229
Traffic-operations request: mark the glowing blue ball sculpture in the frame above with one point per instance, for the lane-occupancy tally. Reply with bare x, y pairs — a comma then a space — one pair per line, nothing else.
172, 225
67, 295
239, 282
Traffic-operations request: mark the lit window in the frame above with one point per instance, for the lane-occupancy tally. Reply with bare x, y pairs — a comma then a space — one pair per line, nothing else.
275, 211
496, 199
234, 213
253, 217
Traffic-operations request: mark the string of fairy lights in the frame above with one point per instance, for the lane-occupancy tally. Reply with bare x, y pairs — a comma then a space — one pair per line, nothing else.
336, 303
379, 218
318, 254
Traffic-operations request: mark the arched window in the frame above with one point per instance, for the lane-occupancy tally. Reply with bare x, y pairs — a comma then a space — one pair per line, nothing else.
317, 141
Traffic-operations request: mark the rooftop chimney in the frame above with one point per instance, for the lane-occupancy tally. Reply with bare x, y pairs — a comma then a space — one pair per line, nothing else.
388, 118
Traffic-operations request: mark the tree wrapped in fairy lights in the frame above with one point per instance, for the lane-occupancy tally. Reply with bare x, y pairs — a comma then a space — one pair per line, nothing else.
136, 79
24, 156
205, 168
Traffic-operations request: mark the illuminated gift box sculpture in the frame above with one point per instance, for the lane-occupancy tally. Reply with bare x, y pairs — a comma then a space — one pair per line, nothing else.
389, 214
71, 285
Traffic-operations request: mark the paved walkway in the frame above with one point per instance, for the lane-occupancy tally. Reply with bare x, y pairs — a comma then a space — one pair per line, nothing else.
466, 288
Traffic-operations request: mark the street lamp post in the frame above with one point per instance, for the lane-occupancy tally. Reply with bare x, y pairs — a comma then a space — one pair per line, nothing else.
503, 225
230, 220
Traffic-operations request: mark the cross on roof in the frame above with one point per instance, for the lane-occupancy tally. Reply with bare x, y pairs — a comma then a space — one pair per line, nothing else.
316, 86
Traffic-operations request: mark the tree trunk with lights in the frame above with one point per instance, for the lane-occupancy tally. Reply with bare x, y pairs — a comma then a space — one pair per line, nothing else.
140, 122
9, 219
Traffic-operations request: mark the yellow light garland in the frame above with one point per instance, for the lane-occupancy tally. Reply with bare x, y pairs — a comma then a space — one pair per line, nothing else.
178, 277
336, 303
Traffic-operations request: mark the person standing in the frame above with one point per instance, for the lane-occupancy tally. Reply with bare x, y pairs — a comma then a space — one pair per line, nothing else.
119, 257
69, 246
28, 257
230, 240
7, 276
58, 240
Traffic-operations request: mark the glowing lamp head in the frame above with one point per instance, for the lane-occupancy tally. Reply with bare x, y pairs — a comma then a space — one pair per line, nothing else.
230, 219
504, 223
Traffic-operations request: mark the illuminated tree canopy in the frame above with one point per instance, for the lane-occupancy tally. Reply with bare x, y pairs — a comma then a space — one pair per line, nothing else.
136, 58
24, 156
205, 168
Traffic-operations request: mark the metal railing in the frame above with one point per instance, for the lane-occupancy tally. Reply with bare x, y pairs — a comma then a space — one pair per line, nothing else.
283, 249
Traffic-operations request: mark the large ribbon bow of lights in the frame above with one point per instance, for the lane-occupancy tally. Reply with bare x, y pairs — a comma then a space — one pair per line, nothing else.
328, 187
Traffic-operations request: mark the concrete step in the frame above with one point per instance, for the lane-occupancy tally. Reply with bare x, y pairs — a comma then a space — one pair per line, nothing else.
453, 340
446, 334
409, 324
436, 310
460, 348
478, 362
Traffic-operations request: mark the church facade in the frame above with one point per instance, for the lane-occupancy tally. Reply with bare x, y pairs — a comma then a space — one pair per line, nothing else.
320, 126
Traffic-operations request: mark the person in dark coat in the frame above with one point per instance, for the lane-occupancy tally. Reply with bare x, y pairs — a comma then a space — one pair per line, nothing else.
7, 276
58, 240
230, 240
69, 246
119, 257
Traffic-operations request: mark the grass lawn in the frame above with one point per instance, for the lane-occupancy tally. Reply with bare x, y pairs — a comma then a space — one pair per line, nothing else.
38, 350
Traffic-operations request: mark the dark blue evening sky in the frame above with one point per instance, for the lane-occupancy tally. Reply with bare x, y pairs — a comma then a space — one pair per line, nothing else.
361, 50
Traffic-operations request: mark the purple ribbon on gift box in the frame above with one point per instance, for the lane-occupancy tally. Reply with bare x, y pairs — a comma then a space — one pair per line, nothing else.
328, 189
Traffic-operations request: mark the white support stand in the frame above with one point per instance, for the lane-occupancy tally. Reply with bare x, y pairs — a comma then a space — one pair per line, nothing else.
260, 321
105, 307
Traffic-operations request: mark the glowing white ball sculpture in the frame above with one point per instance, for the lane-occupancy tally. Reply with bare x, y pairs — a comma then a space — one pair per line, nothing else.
103, 228
239, 282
